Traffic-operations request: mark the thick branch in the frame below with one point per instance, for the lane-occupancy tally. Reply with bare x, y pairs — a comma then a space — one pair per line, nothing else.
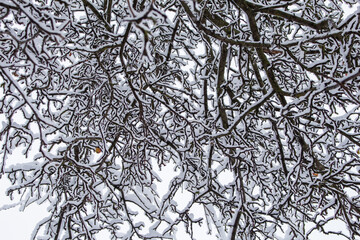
265, 9
97, 14
198, 25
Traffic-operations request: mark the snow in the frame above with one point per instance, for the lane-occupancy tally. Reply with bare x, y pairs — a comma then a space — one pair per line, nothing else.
172, 171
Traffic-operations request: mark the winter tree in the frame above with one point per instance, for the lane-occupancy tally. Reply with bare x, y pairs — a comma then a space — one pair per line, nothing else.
113, 101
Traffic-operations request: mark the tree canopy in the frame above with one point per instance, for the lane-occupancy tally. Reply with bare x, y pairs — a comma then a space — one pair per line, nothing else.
102, 96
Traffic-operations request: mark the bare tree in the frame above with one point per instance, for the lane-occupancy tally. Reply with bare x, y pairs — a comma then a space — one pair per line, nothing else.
101, 94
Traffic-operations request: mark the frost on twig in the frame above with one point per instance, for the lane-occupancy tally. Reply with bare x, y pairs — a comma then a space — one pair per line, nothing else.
151, 119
